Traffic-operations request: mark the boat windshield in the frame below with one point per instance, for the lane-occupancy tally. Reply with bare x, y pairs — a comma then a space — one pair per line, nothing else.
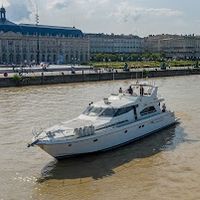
93, 111
99, 111
108, 112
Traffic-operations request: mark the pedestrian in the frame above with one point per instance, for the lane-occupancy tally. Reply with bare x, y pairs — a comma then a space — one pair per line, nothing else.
141, 91
130, 90
120, 90
163, 107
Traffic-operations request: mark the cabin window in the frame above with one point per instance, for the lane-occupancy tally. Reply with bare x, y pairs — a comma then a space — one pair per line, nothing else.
148, 110
108, 112
122, 111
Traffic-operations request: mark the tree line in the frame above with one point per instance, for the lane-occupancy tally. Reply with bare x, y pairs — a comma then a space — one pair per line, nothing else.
110, 57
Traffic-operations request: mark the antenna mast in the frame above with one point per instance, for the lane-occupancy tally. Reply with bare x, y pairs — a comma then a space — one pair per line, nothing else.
37, 31
37, 16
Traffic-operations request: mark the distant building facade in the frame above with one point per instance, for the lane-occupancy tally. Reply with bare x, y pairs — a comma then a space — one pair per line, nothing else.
65, 45
123, 44
174, 46
52, 44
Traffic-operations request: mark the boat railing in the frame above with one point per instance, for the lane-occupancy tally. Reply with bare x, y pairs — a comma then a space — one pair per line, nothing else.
37, 132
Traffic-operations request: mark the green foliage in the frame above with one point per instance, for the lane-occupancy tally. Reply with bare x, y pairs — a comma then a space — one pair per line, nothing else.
141, 64
120, 65
177, 63
145, 73
17, 78
196, 64
111, 57
153, 56
84, 63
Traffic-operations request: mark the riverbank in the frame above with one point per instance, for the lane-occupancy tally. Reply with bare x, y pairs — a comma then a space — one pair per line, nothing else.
74, 78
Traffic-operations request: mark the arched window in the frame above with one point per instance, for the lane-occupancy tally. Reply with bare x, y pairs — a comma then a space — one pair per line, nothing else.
54, 59
24, 57
11, 58
81, 58
4, 58
49, 58
18, 59
66, 58
32, 57
43, 58
86, 57
72, 58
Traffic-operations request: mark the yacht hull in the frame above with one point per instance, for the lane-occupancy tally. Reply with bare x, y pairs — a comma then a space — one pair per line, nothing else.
112, 138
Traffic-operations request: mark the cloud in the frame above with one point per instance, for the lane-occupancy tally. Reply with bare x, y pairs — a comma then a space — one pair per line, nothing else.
59, 4
18, 10
117, 16
127, 12
115, 10
161, 12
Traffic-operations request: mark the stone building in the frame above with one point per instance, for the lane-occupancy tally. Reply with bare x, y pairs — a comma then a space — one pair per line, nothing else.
52, 44
125, 44
174, 46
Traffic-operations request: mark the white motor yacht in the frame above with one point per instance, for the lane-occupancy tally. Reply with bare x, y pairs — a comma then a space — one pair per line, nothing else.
112, 122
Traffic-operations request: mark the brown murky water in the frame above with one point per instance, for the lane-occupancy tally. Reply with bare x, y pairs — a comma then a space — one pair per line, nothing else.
165, 165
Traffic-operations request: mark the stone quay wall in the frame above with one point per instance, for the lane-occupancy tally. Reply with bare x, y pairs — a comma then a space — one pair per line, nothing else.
75, 78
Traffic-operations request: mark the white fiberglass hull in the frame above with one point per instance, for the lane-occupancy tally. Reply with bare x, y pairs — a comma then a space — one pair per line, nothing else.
110, 138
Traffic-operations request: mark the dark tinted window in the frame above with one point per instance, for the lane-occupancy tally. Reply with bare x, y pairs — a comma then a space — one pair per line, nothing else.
122, 111
108, 112
148, 110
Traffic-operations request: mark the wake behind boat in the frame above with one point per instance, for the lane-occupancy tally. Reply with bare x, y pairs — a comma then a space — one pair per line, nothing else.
109, 123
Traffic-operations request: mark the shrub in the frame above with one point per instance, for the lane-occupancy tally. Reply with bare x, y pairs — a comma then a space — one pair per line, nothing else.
17, 78
145, 73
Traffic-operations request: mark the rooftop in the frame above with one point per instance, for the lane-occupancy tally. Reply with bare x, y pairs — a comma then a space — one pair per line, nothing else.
33, 29
101, 35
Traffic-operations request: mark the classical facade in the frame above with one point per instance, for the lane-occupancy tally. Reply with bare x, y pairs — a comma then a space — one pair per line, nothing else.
39, 43
174, 46
125, 44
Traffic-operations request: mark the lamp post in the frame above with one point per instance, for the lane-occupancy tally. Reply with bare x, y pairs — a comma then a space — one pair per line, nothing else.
38, 42
38, 50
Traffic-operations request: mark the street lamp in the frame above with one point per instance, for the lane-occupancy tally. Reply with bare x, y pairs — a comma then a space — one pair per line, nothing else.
37, 34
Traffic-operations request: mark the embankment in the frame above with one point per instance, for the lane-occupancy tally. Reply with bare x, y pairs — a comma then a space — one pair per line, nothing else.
74, 78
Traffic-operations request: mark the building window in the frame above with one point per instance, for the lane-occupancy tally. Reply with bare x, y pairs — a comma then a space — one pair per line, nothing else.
81, 58
32, 58
66, 58
54, 59
18, 59
43, 58
49, 58
11, 58
24, 57
4, 59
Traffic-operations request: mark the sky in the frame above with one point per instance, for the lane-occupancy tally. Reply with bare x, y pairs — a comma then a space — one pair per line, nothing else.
138, 17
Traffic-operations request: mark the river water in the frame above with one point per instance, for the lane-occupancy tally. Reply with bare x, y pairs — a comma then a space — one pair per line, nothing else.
165, 165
